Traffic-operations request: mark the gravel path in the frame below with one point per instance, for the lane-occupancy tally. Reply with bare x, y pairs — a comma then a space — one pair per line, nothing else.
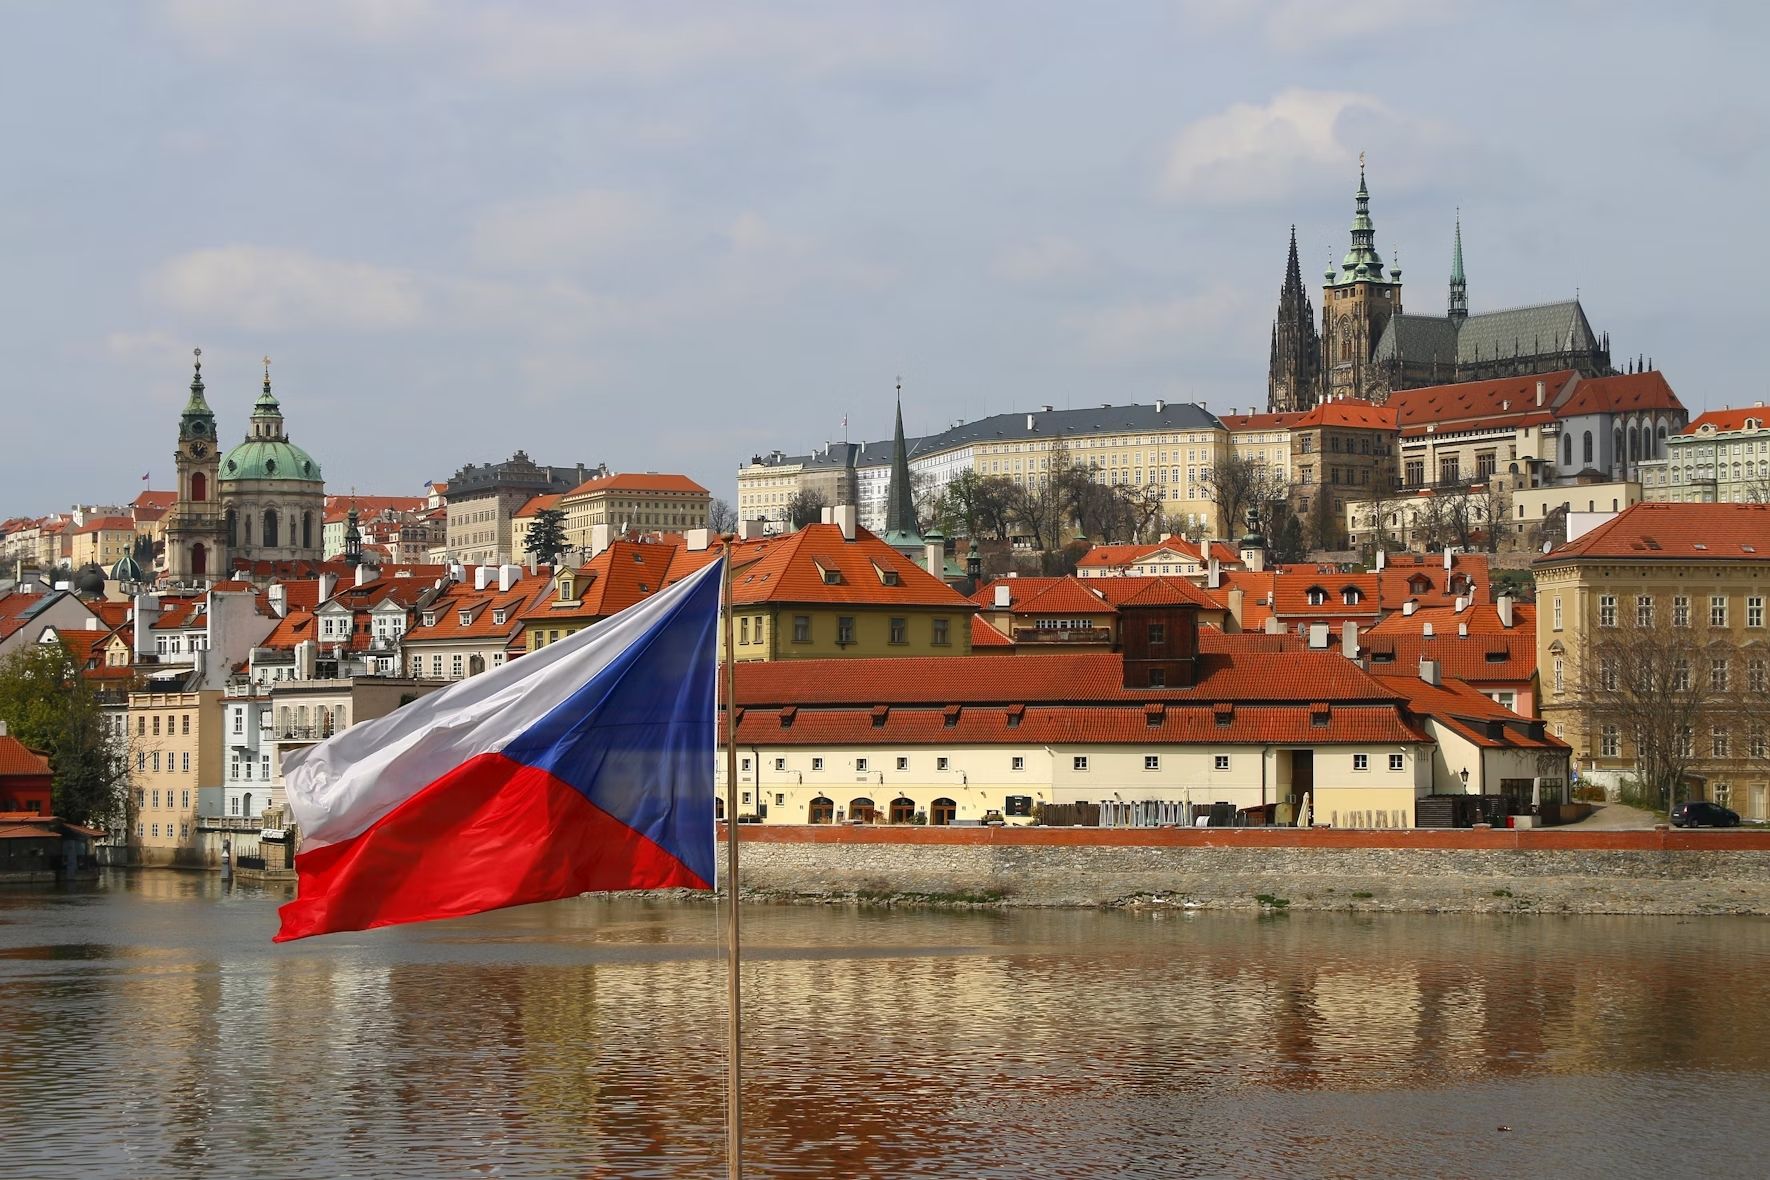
1616, 815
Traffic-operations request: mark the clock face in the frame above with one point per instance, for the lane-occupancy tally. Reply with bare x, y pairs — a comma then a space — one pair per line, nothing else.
198, 450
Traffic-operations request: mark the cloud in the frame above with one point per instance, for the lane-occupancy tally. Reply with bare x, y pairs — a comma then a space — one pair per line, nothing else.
264, 288
1041, 260
1143, 329
564, 231
1292, 145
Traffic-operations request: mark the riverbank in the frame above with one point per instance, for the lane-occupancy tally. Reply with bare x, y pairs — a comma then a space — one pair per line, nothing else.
1266, 869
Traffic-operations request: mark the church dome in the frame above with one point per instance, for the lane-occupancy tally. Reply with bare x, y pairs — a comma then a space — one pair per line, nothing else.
269, 458
90, 580
127, 569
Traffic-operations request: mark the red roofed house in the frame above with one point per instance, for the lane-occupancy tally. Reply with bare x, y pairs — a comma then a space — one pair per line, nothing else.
1167, 722
1723, 457
1340, 450
26, 780
1172, 555
23, 615
633, 501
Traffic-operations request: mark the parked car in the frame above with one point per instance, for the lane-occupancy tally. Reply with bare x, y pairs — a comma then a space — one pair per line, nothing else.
1700, 813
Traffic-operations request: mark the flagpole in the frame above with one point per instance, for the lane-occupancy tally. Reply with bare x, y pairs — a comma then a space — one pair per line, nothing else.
734, 1076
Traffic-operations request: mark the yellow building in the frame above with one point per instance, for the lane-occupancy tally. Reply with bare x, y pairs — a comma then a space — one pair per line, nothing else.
102, 541
1705, 567
176, 739
633, 502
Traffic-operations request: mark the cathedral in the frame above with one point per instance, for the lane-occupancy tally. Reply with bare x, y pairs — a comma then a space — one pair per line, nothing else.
1368, 347
264, 500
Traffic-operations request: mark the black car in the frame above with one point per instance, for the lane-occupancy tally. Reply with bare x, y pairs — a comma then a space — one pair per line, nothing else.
1700, 813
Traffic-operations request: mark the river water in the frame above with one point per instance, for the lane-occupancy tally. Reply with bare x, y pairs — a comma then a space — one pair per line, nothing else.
148, 1027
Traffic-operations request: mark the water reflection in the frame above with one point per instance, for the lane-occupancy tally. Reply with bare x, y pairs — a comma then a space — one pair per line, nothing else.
586, 1039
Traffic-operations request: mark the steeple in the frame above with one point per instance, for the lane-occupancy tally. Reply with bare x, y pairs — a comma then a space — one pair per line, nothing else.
267, 413
1459, 286
353, 538
1362, 262
197, 420
900, 503
1295, 366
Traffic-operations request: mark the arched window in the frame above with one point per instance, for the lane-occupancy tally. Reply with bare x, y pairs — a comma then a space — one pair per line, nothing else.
822, 811
1588, 449
233, 525
941, 812
246, 804
1634, 445
270, 528
903, 810
1567, 451
307, 530
864, 810
199, 486
199, 560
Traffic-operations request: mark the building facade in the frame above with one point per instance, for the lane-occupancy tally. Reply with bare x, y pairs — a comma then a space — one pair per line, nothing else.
1723, 457
482, 499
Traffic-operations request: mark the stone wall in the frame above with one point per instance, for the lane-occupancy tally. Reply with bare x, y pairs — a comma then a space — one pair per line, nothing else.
1451, 871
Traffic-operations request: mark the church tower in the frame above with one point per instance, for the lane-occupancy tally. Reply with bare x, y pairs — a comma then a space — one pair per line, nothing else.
1459, 286
1293, 375
194, 527
1356, 305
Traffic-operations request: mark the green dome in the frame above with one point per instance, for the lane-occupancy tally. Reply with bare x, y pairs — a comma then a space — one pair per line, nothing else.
262, 458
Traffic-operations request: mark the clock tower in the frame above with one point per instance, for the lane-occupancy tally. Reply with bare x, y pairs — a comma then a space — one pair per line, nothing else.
1357, 303
195, 529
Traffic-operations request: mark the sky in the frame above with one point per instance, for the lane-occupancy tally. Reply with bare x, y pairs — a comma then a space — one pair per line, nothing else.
670, 236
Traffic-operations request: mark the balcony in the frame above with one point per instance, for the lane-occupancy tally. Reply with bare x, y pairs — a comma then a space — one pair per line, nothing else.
1065, 636
230, 823
193, 519
304, 733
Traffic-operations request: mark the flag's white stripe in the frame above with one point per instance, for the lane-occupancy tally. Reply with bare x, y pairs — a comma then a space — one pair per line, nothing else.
340, 787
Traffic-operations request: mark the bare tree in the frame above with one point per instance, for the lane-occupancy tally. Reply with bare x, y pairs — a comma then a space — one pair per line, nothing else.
1431, 522
721, 516
977, 505
1492, 505
1664, 690
1237, 483
1550, 530
806, 507
1459, 519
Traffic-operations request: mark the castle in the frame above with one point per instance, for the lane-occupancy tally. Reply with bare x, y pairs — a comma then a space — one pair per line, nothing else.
1368, 347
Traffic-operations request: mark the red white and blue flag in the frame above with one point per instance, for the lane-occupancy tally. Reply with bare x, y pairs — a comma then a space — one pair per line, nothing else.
585, 765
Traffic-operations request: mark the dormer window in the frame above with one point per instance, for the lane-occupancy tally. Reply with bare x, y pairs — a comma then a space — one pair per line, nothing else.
1317, 596
466, 617
889, 577
429, 619
567, 589
499, 615
1350, 596
831, 577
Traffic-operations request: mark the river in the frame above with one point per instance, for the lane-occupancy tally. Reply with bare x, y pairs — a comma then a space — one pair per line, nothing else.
148, 1027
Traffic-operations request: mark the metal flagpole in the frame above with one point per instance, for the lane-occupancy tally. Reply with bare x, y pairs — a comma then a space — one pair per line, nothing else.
734, 1070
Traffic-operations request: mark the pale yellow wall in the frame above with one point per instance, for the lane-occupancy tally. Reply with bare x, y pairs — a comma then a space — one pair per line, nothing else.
188, 752
1173, 462
872, 632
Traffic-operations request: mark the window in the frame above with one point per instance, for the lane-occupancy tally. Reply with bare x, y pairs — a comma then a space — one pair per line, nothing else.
900, 631
1754, 610
1609, 742
1757, 676
436, 667
1220, 762
1607, 673
744, 765
942, 632
233, 805
860, 764
1607, 610
1681, 675
1397, 761
156, 725
1017, 762
457, 665
1557, 612
903, 763
184, 761
1755, 742
1680, 610
184, 798
1717, 610
239, 721
744, 629
264, 766
1079, 762
801, 628
844, 630
1644, 610
1158, 633
1718, 742
1719, 674
156, 760
1361, 762
943, 763
817, 764
780, 763
1558, 675
1152, 762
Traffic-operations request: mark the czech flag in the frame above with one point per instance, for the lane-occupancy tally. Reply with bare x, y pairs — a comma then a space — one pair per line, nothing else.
585, 765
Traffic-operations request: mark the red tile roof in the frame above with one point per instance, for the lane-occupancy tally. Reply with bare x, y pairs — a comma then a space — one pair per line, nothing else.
632, 481
985, 636
160, 501
1020, 590
1473, 716
1350, 413
108, 524
1729, 418
621, 575
1621, 394
1478, 401
798, 568
16, 758
482, 607
1279, 421
1479, 659
536, 503
1482, 618
1662, 531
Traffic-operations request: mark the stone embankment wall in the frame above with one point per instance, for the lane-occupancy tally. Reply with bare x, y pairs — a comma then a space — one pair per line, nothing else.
1538, 871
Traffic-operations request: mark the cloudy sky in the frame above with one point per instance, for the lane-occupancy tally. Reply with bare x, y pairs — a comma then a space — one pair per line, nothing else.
665, 236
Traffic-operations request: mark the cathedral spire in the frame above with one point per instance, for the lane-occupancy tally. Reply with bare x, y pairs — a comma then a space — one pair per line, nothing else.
1459, 286
1296, 347
1362, 262
900, 504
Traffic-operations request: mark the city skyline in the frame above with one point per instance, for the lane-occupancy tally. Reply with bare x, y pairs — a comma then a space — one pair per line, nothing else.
462, 233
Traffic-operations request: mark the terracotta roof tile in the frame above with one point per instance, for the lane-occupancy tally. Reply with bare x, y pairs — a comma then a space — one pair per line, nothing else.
16, 758
1350, 413
816, 565
1621, 394
1663, 531
1473, 401
1729, 418
985, 636
633, 481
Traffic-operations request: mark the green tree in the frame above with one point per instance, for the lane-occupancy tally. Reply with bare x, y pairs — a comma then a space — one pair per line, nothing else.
546, 539
1284, 533
49, 706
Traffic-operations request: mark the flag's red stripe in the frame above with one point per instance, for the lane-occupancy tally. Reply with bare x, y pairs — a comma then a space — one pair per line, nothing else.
492, 832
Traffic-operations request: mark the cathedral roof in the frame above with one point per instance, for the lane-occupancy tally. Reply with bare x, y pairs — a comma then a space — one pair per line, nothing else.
269, 458
1543, 328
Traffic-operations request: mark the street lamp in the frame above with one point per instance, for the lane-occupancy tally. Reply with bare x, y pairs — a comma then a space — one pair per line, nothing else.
1464, 775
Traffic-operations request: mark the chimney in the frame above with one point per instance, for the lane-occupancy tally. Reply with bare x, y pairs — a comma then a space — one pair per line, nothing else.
1447, 560
1045, 409
1462, 630
1029, 421
1318, 636
508, 575
363, 574
1429, 672
828, 514
94, 623
846, 517
482, 577
2, 729
1426, 630
307, 654
278, 594
1004, 596
1214, 575
1504, 606
1462, 604
598, 538
1542, 390
328, 585
1380, 556
697, 540
1160, 405
748, 530
934, 558
1349, 639
147, 613
1408, 608
1272, 627
1236, 599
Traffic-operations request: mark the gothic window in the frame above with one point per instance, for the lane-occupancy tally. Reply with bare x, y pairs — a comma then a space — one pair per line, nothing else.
270, 528
199, 486
233, 525
307, 530
1634, 444
1588, 449
1567, 450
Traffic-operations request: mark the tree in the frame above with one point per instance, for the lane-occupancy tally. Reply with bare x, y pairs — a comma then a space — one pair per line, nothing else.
1236, 483
1326, 522
1665, 687
1384, 503
722, 517
1550, 530
1284, 533
975, 504
806, 507
1431, 525
546, 539
1493, 509
1460, 518
49, 706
